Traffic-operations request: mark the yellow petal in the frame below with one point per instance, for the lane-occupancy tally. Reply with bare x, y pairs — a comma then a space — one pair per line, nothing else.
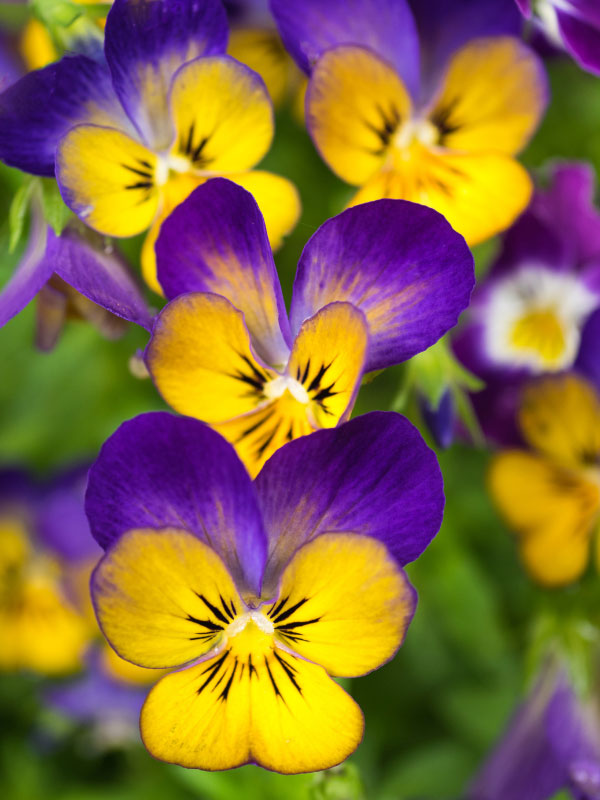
251, 703
552, 510
277, 198
492, 97
560, 416
345, 604
36, 45
479, 194
355, 104
222, 114
262, 50
108, 179
200, 359
163, 597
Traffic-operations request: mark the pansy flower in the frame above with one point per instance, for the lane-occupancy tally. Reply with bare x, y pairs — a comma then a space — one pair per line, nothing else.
446, 137
257, 593
374, 286
130, 138
528, 315
76, 274
549, 494
552, 742
572, 24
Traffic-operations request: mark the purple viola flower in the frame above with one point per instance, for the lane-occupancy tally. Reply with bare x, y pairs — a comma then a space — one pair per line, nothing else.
263, 589
374, 285
76, 273
528, 315
551, 743
574, 25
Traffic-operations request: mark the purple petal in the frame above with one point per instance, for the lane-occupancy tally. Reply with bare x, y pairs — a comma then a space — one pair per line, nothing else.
308, 27
573, 734
34, 269
36, 111
373, 476
446, 26
588, 358
103, 277
62, 523
158, 471
524, 6
532, 240
216, 241
17, 489
440, 421
581, 38
400, 263
146, 41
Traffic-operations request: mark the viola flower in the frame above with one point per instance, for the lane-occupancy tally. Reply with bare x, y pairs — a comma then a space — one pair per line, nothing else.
551, 743
273, 586
549, 494
134, 136
446, 138
374, 286
75, 274
572, 24
528, 315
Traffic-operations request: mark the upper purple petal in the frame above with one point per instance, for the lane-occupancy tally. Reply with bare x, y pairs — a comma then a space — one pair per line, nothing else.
216, 241
581, 35
146, 41
102, 276
524, 6
34, 269
400, 263
158, 471
446, 26
588, 358
373, 476
308, 27
36, 111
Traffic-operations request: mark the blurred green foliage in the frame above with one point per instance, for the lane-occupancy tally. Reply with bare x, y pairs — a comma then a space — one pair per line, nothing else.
431, 713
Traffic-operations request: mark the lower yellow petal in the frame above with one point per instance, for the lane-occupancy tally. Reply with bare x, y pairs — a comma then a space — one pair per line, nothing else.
560, 416
200, 359
251, 703
552, 510
479, 194
351, 604
108, 179
163, 597
277, 198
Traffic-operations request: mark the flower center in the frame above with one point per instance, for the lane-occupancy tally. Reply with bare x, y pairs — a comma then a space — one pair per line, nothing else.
168, 164
275, 388
421, 131
256, 617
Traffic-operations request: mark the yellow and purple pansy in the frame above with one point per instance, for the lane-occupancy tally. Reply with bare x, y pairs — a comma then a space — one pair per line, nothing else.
374, 286
445, 137
532, 313
256, 593
549, 494
129, 138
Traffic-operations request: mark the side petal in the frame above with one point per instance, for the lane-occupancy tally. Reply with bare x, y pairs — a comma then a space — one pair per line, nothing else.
387, 27
345, 604
39, 109
492, 98
327, 360
215, 241
108, 179
163, 597
581, 37
146, 42
200, 359
480, 194
100, 274
222, 114
355, 102
400, 263
31, 274
346, 480
278, 201
272, 709
551, 509
588, 359
160, 471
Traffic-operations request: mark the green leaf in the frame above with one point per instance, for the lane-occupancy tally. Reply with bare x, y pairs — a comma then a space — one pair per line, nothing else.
56, 212
18, 212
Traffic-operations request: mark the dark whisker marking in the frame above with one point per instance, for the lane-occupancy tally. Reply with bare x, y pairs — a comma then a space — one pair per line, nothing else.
274, 611
285, 614
226, 608
213, 669
140, 185
219, 681
256, 426
216, 611
316, 381
225, 692
266, 441
273, 683
196, 154
291, 625
306, 371
206, 623
288, 669
251, 668
140, 172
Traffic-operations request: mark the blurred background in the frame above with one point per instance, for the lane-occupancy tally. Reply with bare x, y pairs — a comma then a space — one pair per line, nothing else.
436, 709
